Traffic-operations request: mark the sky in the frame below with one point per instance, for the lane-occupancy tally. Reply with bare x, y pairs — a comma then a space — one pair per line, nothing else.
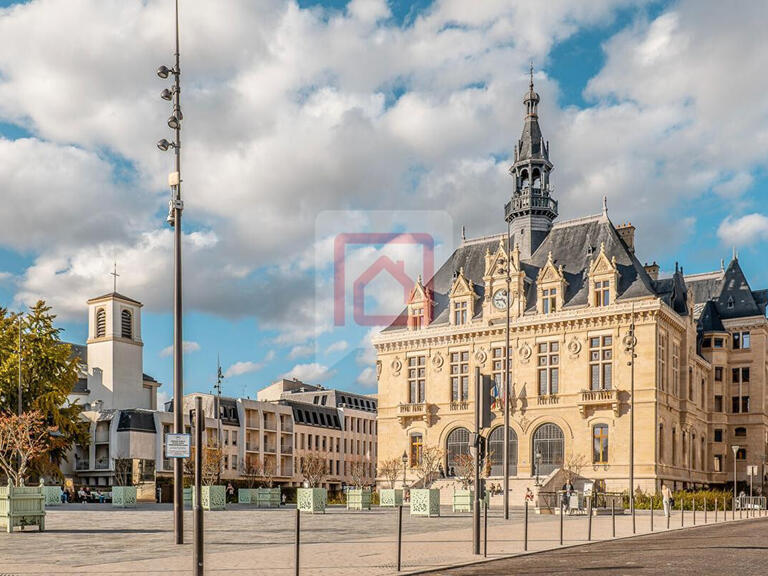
307, 123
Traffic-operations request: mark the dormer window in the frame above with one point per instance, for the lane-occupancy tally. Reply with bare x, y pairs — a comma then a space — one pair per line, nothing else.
549, 300
730, 303
460, 312
602, 293
101, 323
126, 324
418, 317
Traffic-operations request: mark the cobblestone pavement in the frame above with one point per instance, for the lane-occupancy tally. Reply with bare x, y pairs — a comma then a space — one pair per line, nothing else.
734, 548
97, 539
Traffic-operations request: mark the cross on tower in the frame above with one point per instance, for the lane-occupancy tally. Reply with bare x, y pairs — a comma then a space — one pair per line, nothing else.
114, 275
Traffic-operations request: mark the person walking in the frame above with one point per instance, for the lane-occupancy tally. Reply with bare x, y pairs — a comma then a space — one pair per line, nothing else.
666, 497
230, 492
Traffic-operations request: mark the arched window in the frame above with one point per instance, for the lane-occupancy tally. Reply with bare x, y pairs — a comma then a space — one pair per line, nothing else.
496, 451
548, 449
126, 326
456, 444
101, 323
416, 446
600, 443
537, 179
524, 180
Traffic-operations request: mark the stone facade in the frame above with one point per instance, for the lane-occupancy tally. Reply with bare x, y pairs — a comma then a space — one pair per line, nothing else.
575, 293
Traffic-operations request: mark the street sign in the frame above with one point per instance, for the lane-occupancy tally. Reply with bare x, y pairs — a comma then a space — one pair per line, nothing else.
177, 445
751, 470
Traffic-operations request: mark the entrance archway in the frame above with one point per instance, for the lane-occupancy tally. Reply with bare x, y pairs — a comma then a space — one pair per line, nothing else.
549, 441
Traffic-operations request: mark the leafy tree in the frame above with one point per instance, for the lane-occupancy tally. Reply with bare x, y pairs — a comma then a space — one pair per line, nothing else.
49, 372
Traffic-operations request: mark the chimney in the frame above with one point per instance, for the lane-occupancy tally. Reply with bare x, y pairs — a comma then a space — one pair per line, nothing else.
652, 269
627, 233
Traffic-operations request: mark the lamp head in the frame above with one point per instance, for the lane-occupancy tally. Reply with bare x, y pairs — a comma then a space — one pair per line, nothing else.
166, 94
173, 122
163, 72
164, 145
405, 457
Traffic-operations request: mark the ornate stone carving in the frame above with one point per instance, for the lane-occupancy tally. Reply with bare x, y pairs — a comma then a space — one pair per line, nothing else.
438, 361
525, 353
397, 365
481, 356
378, 369
574, 347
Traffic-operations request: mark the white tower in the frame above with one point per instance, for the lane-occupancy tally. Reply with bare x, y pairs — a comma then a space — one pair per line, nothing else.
115, 365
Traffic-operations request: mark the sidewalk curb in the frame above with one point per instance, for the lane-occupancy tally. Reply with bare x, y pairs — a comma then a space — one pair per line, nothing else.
567, 546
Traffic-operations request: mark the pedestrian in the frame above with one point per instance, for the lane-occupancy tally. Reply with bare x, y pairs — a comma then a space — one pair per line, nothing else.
230, 492
63, 495
528, 495
666, 497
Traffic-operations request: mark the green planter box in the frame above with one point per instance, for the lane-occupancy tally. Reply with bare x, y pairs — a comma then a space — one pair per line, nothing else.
187, 496
246, 495
425, 502
359, 499
266, 497
22, 506
52, 495
124, 496
214, 497
390, 498
462, 500
311, 499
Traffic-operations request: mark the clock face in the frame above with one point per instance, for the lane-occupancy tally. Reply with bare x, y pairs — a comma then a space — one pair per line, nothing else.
500, 299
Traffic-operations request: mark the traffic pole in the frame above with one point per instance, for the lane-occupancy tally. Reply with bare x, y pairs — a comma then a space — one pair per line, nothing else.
589, 519
561, 522
297, 540
525, 528
485, 528
399, 536
613, 517
198, 554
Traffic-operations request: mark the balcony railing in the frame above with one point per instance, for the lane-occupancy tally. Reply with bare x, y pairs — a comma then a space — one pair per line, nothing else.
414, 411
546, 400
597, 399
287, 449
531, 200
252, 446
270, 425
102, 465
286, 426
83, 465
269, 449
459, 406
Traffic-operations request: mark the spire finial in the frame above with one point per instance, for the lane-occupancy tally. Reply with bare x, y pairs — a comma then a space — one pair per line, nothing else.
605, 206
114, 275
735, 253
531, 84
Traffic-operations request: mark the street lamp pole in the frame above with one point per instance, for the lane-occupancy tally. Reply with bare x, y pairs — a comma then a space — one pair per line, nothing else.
631, 343
405, 462
735, 450
20, 409
506, 380
174, 219
538, 464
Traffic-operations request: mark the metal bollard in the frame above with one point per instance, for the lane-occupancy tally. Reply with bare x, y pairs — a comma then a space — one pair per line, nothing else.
693, 505
561, 522
297, 539
589, 519
740, 508
682, 512
613, 517
399, 535
715, 510
485, 529
525, 528
705, 509
652, 498
669, 514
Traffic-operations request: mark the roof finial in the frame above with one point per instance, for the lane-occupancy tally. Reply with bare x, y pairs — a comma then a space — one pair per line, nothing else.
463, 233
531, 84
114, 275
605, 206
735, 253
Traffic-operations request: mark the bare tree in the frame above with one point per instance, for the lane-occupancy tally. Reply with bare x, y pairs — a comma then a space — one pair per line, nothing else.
212, 460
251, 472
268, 472
427, 468
23, 439
313, 468
124, 471
358, 472
391, 469
573, 466
465, 469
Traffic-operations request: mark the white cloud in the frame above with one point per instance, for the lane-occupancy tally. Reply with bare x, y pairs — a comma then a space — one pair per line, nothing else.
310, 373
367, 378
260, 77
743, 231
338, 346
188, 347
301, 351
240, 368
162, 398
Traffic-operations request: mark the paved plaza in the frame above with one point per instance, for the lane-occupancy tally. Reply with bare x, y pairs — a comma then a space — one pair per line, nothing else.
97, 539
733, 548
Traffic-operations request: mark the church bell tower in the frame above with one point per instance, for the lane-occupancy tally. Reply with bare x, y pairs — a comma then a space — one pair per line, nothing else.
531, 210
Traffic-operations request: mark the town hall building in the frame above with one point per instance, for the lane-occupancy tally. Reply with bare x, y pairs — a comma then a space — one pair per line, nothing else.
573, 289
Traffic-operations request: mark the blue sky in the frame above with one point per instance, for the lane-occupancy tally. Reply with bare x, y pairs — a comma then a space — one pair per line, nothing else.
369, 110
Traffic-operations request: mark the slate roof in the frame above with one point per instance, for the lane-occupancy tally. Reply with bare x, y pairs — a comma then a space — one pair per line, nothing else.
114, 295
330, 397
314, 415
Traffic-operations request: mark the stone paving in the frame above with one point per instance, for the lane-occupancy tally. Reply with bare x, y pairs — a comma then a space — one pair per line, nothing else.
97, 539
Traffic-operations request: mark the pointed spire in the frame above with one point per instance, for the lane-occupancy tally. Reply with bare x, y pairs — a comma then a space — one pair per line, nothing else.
605, 206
